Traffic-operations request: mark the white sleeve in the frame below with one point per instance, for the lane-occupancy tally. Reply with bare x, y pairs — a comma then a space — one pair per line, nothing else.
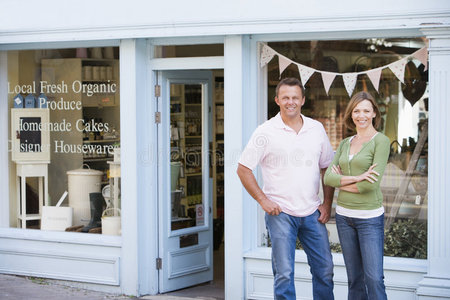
254, 151
327, 154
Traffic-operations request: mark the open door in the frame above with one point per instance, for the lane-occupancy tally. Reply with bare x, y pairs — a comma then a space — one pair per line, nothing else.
185, 219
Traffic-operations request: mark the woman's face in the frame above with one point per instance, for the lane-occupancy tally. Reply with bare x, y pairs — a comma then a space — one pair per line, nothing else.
363, 114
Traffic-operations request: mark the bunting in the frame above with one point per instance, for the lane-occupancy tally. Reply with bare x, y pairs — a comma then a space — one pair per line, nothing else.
397, 67
422, 56
327, 78
267, 54
374, 76
305, 73
350, 82
283, 62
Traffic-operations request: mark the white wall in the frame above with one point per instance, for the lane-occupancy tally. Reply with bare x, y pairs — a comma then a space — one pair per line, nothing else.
88, 258
81, 20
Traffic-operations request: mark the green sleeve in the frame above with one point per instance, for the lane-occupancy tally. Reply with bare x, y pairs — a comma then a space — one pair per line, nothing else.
330, 178
380, 158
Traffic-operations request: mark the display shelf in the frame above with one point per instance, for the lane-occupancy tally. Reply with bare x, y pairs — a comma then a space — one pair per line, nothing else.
193, 174
99, 80
29, 217
101, 141
97, 159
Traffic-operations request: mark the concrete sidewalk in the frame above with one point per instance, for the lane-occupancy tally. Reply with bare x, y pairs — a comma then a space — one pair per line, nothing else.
30, 288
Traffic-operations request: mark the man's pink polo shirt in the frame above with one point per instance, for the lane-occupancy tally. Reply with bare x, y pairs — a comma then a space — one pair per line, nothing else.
290, 162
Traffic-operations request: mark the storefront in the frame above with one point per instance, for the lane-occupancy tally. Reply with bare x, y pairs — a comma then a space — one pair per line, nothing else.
143, 125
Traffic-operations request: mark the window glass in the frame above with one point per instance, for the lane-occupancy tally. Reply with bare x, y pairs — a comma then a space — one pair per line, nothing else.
404, 111
188, 50
65, 139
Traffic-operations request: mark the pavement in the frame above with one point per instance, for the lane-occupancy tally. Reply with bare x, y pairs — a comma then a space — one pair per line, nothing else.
29, 288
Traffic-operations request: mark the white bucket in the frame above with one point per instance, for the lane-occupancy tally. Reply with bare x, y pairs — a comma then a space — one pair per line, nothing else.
111, 224
56, 218
82, 182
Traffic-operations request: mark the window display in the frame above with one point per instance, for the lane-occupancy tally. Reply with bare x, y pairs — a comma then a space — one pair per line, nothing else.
394, 71
65, 131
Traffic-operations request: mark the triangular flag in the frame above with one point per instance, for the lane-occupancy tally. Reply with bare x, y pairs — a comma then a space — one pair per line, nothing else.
374, 76
398, 68
305, 73
283, 63
350, 82
327, 78
422, 56
267, 54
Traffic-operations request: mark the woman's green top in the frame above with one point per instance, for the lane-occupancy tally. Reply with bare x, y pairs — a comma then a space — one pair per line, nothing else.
374, 151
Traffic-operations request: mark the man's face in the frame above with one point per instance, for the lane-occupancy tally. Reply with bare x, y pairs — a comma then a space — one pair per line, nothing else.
290, 100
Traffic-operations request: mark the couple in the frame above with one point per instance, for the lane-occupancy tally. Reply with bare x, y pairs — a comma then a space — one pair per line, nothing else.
294, 152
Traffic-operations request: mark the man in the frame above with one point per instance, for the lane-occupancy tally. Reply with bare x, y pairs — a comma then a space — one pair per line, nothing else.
293, 152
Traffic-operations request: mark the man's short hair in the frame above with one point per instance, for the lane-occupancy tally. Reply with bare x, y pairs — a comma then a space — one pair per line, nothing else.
290, 81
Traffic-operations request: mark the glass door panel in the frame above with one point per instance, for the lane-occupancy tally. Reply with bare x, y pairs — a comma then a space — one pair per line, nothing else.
186, 168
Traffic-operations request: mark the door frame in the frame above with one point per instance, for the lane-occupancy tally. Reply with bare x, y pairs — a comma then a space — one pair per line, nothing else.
174, 64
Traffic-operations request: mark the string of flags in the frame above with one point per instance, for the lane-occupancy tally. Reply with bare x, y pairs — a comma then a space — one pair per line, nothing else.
397, 67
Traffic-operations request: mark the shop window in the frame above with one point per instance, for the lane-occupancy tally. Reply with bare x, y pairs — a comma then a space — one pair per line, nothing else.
404, 109
188, 50
64, 111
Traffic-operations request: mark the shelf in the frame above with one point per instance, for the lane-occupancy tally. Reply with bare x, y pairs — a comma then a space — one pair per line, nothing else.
100, 81
193, 104
98, 60
192, 136
97, 159
193, 174
101, 141
30, 217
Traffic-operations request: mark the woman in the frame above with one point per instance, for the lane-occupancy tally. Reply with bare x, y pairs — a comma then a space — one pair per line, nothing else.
356, 170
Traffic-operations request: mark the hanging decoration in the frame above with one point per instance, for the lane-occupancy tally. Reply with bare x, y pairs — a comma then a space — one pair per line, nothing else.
305, 73
327, 78
350, 81
267, 54
283, 62
422, 56
374, 76
397, 67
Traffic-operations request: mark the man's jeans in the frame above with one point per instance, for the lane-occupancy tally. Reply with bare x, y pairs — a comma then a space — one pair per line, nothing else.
284, 230
362, 246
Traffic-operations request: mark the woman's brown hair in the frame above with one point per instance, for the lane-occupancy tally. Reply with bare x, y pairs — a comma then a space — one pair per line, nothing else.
355, 100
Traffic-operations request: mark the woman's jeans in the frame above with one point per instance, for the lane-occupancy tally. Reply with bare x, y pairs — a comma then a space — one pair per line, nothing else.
284, 230
362, 246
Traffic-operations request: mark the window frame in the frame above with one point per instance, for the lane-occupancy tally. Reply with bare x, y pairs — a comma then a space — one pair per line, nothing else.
259, 231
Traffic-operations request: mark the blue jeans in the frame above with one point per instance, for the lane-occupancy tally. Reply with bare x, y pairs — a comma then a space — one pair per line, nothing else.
284, 230
362, 246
